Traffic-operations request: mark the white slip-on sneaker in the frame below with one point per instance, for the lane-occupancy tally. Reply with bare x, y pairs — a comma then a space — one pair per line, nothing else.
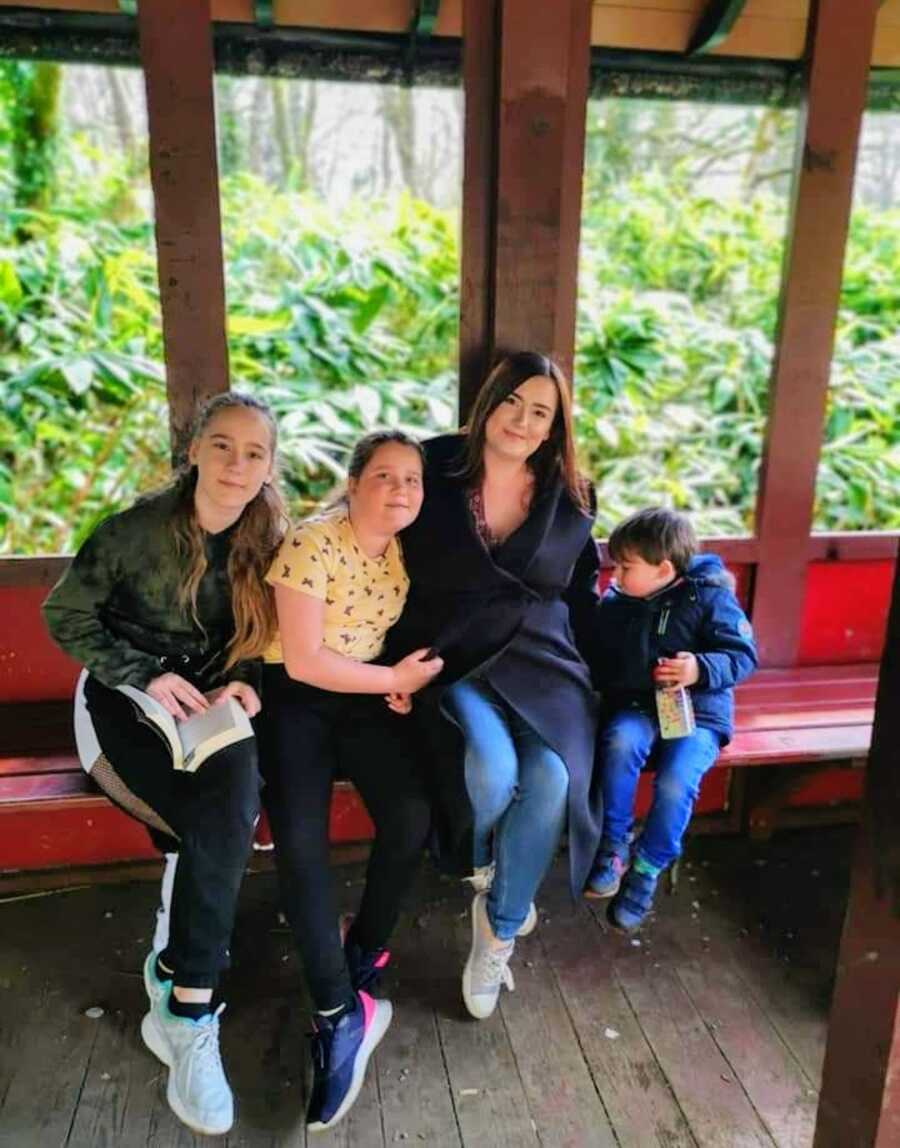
530, 922
487, 967
197, 1091
481, 880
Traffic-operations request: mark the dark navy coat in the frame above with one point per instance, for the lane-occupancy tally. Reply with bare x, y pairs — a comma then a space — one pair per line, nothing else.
508, 615
697, 613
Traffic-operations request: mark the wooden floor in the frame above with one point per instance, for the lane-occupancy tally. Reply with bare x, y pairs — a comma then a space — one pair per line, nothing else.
707, 1029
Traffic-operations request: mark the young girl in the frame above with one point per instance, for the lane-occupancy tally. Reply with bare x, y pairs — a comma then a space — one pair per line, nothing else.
503, 568
170, 596
339, 584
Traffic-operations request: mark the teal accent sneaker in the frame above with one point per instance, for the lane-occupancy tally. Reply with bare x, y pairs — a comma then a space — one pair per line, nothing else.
156, 988
197, 1091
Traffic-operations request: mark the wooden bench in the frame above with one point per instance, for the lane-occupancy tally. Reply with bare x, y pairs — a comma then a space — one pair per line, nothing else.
811, 718
816, 719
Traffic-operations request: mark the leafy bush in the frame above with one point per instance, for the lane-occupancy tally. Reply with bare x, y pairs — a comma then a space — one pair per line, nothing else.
345, 321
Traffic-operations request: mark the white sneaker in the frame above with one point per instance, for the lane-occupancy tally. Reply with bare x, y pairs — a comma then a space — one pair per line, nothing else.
481, 880
156, 989
487, 967
197, 1092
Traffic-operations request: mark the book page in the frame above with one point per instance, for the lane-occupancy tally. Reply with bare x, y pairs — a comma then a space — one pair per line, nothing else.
159, 717
204, 734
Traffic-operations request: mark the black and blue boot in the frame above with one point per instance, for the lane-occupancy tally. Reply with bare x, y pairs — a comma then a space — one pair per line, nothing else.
634, 899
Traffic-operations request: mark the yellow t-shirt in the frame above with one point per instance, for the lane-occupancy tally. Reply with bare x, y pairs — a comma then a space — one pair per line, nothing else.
363, 596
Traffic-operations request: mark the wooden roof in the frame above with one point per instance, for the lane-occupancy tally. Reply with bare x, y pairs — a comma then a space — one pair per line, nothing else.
765, 29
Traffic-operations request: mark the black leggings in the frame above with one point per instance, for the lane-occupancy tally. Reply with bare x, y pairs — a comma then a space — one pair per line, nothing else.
207, 817
306, 738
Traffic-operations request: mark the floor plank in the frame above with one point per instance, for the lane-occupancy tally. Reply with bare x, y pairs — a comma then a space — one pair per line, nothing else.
561, 1094
490, 1102
709, 1032
642, 1108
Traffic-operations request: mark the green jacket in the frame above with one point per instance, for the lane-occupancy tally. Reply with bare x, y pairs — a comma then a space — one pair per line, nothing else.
116, 608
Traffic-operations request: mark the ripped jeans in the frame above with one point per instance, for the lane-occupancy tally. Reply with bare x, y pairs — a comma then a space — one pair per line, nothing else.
623, 747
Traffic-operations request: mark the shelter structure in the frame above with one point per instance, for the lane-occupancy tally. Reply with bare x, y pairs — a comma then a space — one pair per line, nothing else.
527, 68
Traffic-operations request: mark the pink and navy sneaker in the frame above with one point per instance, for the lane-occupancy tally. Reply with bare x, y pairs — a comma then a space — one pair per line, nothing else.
341, 1049
364, 965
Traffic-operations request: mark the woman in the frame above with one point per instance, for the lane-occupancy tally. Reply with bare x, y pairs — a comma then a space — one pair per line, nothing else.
339, 584
170, 597
502, 567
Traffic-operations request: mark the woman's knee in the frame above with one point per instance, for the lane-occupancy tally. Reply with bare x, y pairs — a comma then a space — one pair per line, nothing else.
491, 781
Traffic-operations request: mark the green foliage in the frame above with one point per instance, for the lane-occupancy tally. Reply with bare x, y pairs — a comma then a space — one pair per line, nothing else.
675, 340
342, 324
346, 321
29, 115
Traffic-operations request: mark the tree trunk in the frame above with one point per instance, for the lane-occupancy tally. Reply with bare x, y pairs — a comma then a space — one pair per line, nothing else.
281, 130
399, 115
34, 120
121, 111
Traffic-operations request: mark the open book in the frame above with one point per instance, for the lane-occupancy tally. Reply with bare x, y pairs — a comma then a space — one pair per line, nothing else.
190, 742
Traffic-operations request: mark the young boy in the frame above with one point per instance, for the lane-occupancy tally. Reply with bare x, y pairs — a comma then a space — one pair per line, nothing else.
670, 619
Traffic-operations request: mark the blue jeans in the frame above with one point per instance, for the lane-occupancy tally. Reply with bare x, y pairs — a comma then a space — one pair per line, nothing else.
519, 789
623, 748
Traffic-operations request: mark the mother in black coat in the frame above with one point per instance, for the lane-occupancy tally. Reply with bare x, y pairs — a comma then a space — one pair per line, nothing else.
503, 570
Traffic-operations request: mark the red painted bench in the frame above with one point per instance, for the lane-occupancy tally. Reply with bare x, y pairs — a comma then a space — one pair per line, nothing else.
815, 718
51, 815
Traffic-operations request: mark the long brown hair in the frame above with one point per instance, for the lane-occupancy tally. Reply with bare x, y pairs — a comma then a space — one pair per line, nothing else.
555, 458
256, 537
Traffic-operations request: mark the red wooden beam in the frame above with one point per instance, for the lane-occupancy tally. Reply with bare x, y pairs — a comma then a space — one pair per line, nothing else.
860, 1099
525, 67
841, 37
176, 53
844, 547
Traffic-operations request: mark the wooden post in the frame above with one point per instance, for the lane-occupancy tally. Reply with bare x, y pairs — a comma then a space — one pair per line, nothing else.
177, 57
841, 37
525, 67
480, 48
860, 1098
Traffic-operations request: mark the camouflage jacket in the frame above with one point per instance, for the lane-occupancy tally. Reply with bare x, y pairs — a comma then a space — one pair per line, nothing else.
116, 608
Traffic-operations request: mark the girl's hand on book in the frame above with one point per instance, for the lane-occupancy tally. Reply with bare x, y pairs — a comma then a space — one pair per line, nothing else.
415, 671
176, 696
245, 694
399, 703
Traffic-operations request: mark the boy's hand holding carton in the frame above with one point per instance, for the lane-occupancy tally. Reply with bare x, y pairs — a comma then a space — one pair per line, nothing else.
682, 670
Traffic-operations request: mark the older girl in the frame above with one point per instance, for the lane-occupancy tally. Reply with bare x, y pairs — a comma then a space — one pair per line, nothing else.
339, 584
170, 596
503, 566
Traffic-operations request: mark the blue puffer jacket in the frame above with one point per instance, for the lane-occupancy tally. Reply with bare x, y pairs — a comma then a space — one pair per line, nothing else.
698, 613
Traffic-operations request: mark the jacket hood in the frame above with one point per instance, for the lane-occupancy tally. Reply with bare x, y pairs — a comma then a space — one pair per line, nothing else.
708, 570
